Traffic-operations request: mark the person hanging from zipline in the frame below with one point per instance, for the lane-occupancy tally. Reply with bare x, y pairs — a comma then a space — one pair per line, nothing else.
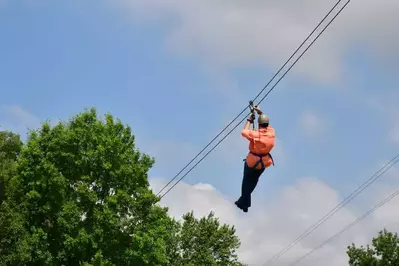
261, 142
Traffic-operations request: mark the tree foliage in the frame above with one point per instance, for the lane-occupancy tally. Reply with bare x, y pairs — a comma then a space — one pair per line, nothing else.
78, 194
205, 242
383, 252
10, 147
13, 236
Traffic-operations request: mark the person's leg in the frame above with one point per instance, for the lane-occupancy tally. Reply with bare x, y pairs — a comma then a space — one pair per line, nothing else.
249, 182
253, 182
242, 201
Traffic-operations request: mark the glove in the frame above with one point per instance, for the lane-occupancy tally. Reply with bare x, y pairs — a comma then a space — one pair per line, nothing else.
251, 118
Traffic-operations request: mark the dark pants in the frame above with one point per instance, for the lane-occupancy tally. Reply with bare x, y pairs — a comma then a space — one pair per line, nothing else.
249, 182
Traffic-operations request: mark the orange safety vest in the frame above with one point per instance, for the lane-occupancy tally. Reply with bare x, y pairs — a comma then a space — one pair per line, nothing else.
261, 142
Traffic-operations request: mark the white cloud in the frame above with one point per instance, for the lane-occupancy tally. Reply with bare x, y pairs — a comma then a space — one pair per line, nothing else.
17, 119
312, 124
225, 34
269, 226
23, 116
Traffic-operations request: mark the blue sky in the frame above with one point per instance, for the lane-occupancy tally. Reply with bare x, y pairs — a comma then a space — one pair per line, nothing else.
58, 58
177, 72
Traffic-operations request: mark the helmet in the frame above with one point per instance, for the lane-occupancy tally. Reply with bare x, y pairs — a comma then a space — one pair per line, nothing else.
263, 119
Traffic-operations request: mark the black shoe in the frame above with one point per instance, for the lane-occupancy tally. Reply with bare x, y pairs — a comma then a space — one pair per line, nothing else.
240, 207
237, 204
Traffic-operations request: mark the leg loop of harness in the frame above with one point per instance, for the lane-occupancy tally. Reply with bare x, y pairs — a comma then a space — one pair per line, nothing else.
271, 157
260, 161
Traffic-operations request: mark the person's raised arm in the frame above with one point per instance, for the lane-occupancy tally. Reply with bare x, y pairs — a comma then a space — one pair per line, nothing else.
248, 124
246, 132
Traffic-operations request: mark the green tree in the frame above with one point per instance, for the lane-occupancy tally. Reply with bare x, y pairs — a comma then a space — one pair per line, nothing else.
383, 252
13, 236
10, 147
83, 190
78, 194
205, 242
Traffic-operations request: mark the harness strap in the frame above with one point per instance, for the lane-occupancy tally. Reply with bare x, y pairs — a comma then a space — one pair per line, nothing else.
260, 161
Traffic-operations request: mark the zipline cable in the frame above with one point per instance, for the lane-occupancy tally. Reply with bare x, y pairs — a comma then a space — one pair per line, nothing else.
318, 35
351, 224
278, 81
275, 75
348, 199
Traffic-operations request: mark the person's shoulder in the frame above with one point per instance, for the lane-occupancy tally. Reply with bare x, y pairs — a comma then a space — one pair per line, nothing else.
246, 132
271, 130
252, 131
